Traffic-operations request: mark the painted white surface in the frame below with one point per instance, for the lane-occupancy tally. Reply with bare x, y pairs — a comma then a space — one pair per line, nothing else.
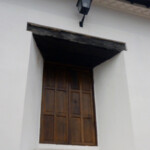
14, 54
65, 147
15, 44
32, 106
138, 72
113, 105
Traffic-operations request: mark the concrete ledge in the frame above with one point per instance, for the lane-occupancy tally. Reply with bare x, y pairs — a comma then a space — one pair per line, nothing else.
65, 147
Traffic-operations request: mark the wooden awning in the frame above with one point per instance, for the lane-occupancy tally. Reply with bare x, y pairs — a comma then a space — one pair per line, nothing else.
72, 48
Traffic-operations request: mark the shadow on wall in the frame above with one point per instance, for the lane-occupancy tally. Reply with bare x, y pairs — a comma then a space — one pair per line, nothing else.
32, 106
113, 105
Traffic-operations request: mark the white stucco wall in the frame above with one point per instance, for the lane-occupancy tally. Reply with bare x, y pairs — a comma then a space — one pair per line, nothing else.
113, 105
15, 50
14, 54
32, 105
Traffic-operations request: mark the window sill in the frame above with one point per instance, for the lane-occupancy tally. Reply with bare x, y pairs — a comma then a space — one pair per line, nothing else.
65, 147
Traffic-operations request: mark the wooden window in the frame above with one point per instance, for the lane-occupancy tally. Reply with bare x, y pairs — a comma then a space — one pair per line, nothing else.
68, 115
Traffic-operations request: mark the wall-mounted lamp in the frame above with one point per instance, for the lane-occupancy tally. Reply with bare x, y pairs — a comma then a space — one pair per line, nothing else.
83, 7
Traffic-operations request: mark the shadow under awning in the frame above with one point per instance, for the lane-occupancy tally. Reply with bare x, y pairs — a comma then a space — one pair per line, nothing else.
66, 47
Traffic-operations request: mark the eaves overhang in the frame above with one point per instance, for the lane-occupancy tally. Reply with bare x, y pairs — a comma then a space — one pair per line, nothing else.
126, 6
57, 45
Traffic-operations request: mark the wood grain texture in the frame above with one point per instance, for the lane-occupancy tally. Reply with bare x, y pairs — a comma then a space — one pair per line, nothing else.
68, 115
75, 37
66, 47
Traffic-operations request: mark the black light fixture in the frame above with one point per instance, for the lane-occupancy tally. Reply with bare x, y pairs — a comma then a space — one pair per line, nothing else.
83, 7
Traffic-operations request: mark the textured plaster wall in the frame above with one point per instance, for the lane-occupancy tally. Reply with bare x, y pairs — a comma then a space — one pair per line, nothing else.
15, 71
113, 105
32, 105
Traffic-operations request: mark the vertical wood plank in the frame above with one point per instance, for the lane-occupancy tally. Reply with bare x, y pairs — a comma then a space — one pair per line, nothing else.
68, 106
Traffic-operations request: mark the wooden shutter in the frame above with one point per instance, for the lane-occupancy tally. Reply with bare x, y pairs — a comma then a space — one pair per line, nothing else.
68, 115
